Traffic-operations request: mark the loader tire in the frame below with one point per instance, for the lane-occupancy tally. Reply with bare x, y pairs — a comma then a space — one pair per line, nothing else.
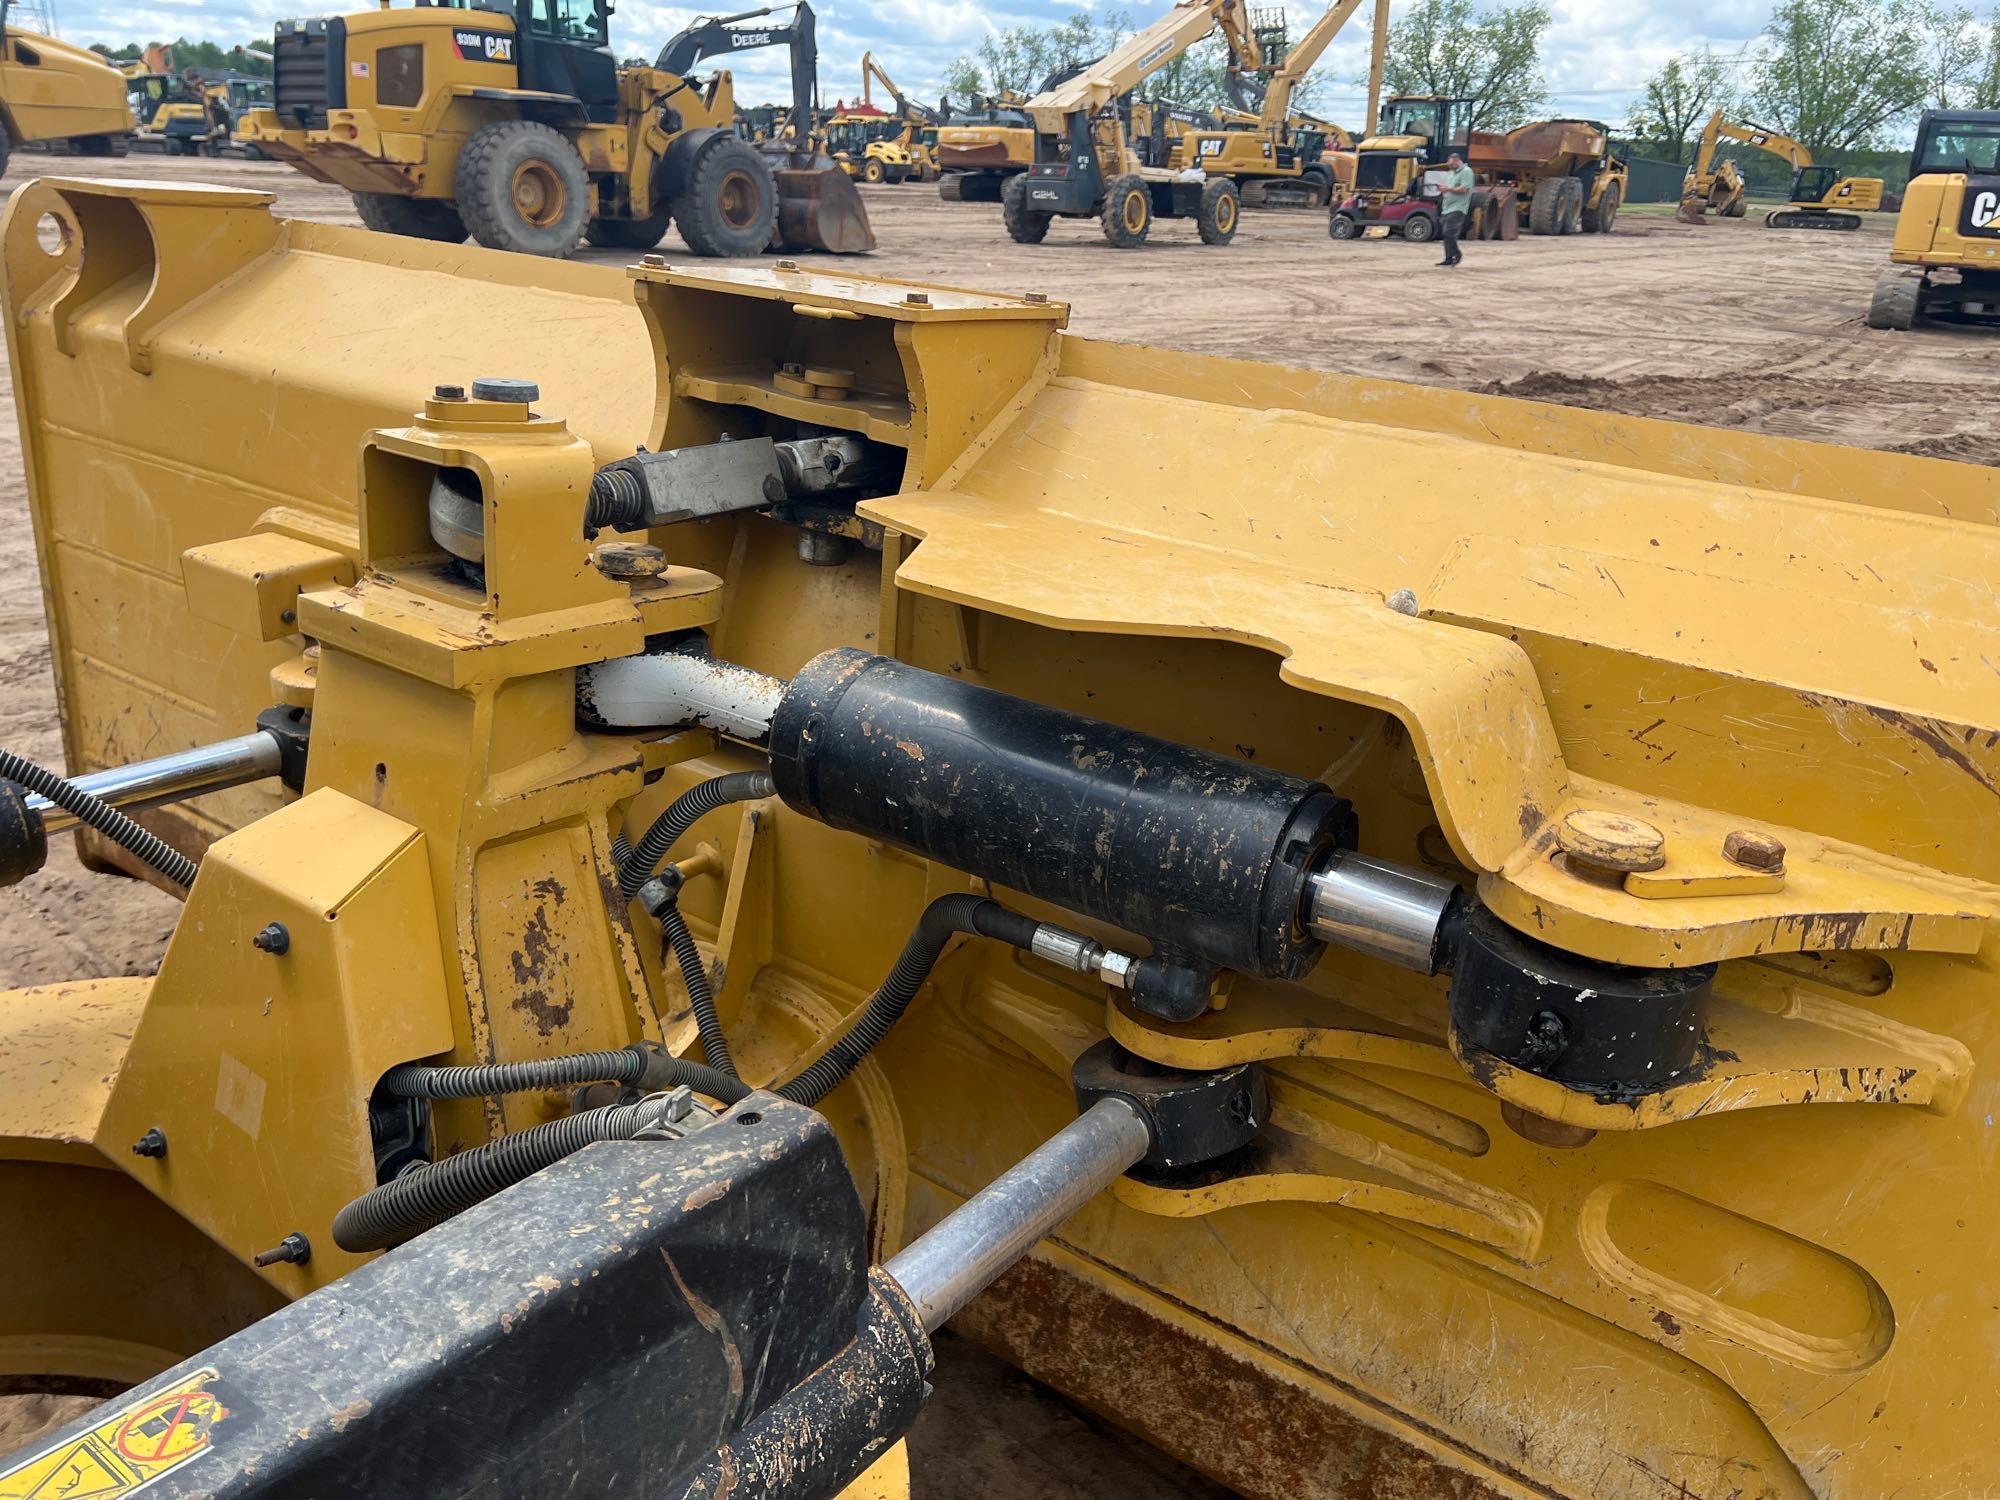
872, 171
628, 234
1897, 297
1599, 220
1128, 212
520, 186
1547, 207
1220, 212
1024, 225
413, 218
952, 189
730, 205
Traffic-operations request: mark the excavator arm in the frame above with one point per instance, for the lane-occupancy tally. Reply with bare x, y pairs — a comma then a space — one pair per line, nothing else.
1282, 82
712, 36
1721, 128
908, 108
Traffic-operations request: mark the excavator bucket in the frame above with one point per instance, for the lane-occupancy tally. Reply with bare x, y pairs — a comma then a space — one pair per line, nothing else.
1690, 212
819, 207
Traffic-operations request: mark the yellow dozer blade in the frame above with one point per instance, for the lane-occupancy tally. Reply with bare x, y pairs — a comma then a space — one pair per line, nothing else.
819, 207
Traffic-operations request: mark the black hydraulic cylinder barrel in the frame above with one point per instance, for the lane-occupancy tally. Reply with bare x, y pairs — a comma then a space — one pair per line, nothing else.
1204, 855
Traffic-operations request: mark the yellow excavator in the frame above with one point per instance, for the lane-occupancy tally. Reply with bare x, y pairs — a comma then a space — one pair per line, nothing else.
1946, 255
1089, 165
1264, 144
53, 92
513, 122
1821, 197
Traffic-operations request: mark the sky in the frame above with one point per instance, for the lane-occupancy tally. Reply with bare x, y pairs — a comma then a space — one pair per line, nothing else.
1595, 56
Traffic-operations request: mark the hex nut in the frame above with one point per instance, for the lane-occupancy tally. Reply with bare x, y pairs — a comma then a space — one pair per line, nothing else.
1754, 850
1612, 841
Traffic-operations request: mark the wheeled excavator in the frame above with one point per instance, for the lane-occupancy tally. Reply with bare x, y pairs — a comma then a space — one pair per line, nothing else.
1821, 197
1946, 253
512, 122
1087, 164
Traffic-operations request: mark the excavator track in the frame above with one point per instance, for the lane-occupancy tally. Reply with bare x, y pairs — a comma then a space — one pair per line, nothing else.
1781, 219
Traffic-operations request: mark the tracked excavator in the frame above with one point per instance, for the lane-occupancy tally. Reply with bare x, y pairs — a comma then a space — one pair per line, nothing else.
1821, 197
1946, 254
1267, 149
721, 811
512, 123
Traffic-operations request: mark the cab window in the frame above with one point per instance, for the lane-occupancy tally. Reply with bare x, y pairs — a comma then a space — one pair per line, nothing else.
1955, 146
581, 22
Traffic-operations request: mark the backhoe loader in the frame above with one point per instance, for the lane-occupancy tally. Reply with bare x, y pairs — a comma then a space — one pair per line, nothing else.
1821, 197
1946, 252
920, 122
56, 94
1087, 164
721, 810
512, 123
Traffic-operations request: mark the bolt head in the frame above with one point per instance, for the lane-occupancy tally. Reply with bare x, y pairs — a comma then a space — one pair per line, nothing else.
494, 388
918, 299
272, 938
788, 265
153, 1143
1037, 298
449, 393
1611, 840
657, 262
1754, 850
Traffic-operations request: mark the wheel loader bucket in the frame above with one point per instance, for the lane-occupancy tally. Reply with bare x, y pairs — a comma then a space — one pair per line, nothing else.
819, 208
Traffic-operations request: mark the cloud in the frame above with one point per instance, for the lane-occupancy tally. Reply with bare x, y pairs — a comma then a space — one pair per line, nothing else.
1596, 55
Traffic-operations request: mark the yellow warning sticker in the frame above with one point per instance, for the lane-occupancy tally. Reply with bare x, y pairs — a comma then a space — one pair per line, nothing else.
126, 1451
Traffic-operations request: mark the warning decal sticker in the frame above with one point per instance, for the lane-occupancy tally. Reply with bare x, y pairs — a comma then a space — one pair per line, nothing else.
131, 1447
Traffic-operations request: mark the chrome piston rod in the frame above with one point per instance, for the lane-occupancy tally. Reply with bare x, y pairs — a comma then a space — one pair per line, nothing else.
964, 1252
171, 778
1372, 906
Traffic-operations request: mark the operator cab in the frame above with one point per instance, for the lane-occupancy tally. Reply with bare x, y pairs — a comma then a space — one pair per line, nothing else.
1412, 135
562, 47
1813, 184
1959, 140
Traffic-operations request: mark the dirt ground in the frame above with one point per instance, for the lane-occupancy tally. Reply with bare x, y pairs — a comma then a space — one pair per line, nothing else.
1729, 325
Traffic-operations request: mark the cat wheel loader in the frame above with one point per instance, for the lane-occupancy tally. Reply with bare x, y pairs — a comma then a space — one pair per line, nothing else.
1946, 253
512, 123
721, 811
1821, 197
55, 94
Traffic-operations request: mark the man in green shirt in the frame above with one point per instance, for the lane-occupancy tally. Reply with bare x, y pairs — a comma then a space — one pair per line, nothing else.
1457, 198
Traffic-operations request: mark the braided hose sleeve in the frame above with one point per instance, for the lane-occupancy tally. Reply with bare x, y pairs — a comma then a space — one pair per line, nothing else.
940, 920
96, 813
699, 800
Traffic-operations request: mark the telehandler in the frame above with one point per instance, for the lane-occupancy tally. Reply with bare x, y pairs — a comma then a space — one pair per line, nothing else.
1947, 246
723, 809
1821, 197
513, 123
1087, 163
53, 93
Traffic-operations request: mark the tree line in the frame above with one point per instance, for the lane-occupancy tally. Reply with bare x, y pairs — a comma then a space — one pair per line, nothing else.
203, 57
1841, 76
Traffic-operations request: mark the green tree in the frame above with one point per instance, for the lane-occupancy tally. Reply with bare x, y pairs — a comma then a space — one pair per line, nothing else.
1492, 57
1842, 74
1986, 87
1675, 103
1020, 57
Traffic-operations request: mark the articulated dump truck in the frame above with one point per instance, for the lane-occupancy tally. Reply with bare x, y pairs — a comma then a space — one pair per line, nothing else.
730, 816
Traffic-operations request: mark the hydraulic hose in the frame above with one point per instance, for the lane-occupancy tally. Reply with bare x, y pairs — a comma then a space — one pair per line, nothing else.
701, 997
942, 918
428, 1195
637, 862
419, 1081
96, 813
